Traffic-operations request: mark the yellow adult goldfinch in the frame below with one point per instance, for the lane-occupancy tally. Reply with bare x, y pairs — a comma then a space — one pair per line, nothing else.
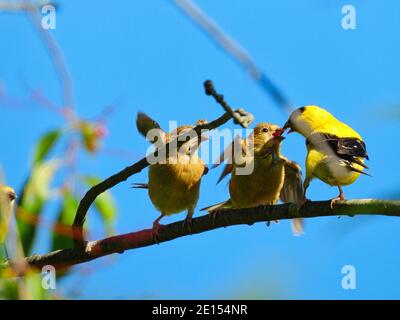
335, 151
174, 184
7, 197
272, 176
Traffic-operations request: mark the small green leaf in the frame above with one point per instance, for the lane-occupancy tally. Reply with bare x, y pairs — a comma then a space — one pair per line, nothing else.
9, 289
62, 231
104, 205
45, 144
89, 136
34, 288
33, 197
2, 258
27, 287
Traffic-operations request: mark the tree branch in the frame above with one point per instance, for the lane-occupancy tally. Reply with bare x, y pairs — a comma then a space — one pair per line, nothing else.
225, 218
243, 118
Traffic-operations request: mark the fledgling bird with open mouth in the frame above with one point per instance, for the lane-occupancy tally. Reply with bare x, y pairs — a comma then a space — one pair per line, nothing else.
273, 176
174, 184
335, 151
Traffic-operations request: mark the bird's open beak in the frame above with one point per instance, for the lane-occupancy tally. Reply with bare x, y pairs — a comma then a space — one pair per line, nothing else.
278, 135
278, 132
279, 138
288, 126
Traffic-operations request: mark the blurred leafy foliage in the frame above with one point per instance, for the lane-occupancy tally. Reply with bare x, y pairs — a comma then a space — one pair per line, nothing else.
45, 144
32, 200
28, 287
91, 134
104, 205
61, 237
53, 180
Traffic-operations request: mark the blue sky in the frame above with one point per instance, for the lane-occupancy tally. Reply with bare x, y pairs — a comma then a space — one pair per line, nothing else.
145, 55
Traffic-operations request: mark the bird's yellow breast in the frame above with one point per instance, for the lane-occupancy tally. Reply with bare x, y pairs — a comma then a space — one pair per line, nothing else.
175, 187
261, 187
328, 169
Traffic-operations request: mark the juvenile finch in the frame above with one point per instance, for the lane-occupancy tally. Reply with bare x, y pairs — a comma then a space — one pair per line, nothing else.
335, 151
273, 176
7, 197
174, 184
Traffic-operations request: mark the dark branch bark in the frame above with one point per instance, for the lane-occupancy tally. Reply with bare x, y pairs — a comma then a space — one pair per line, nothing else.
225, 218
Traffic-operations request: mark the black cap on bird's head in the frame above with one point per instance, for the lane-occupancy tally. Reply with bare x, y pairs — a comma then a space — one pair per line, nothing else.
290, 123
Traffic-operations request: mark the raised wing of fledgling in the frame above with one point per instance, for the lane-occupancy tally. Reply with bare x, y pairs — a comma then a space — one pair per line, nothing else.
144, 124
228, 157
292, 191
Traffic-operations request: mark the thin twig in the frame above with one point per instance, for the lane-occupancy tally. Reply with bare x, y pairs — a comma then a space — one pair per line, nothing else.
58, 60
241, 117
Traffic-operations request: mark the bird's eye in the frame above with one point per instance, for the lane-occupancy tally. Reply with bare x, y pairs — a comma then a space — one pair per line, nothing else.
265, 129
11, 196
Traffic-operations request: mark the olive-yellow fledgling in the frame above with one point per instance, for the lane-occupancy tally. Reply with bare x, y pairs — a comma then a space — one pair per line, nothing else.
174, 184
335, 151
7, 197
272, 177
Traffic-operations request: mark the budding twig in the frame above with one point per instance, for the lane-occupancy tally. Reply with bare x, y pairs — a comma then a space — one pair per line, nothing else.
240, 116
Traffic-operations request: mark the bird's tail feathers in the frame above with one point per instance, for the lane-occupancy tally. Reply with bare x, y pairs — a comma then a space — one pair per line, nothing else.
298, 226
359, 171
140, 186
222, 205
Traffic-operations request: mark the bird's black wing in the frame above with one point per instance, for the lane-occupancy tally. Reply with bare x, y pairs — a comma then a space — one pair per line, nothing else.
349, 149
352, 147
